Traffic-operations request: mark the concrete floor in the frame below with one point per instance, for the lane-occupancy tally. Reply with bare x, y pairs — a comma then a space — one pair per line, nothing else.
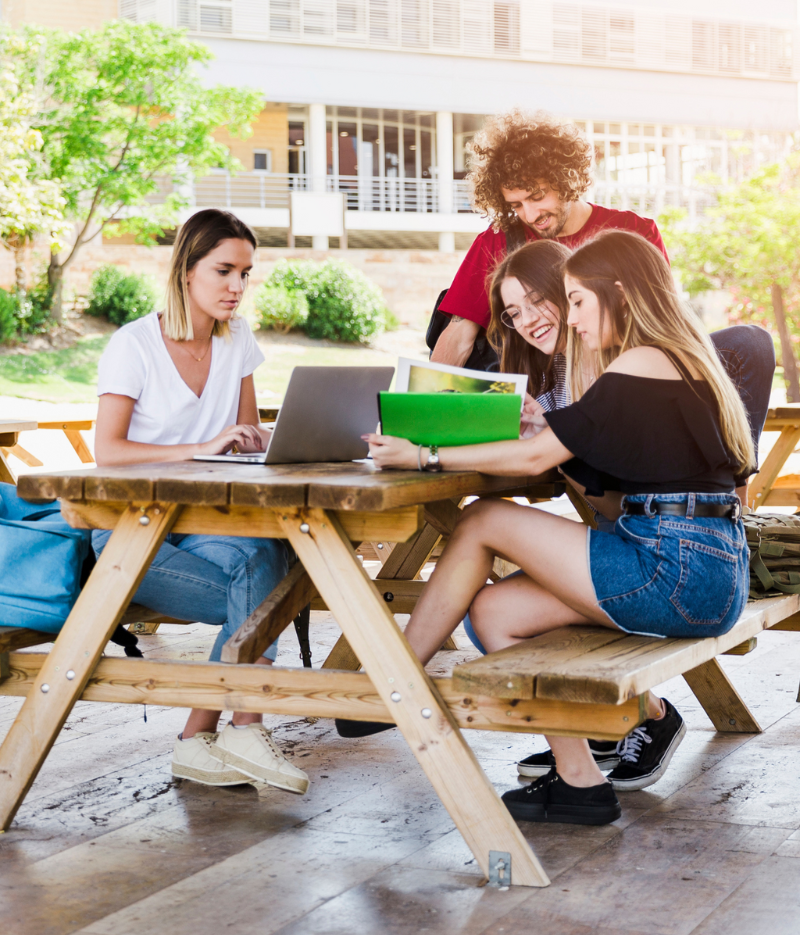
108, 844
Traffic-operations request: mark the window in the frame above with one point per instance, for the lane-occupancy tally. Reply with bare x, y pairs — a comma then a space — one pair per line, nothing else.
262, 160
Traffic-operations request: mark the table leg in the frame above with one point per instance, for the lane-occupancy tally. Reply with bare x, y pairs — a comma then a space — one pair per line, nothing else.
425, 721
76, 651
75, 439
760, 486
720, 700
7, 476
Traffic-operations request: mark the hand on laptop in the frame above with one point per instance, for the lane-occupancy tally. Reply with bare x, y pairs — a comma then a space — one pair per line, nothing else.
246, 438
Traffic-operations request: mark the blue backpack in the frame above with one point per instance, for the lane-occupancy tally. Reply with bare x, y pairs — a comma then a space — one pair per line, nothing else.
41, 557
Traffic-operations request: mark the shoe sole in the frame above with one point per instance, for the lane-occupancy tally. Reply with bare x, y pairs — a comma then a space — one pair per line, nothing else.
642, 782
566, 815
533, 772
286, 783
207, 778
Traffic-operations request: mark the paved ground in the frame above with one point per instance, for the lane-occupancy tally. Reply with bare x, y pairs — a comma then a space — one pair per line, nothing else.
108, 844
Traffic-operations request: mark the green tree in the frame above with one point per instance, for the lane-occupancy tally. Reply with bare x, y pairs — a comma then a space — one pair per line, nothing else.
30, 205
748, 244
126, 111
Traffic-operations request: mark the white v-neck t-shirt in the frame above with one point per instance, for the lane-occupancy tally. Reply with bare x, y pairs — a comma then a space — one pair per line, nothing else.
136, 363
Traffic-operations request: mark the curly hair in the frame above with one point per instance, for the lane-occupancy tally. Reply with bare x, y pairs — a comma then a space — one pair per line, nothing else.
516, 150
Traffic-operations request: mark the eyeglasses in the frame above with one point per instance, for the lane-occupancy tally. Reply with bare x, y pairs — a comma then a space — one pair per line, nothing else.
513, 318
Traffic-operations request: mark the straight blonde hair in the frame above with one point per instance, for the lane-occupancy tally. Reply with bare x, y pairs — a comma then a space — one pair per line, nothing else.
650, 313
196, 239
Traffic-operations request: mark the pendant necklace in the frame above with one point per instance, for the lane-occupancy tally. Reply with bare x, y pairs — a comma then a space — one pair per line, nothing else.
199, 359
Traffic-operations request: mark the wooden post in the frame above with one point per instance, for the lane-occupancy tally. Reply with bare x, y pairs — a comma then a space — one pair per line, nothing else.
68, 667
759, 487
408, 692
720, 700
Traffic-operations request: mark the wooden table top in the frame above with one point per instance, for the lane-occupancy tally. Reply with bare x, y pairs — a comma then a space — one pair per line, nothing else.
17, 425
344, 486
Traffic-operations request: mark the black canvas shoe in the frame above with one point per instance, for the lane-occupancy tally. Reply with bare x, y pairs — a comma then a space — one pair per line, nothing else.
551, 799
645, 753
539, 764
360, 728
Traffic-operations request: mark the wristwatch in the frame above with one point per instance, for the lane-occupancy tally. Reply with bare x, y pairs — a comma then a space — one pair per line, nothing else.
433, 464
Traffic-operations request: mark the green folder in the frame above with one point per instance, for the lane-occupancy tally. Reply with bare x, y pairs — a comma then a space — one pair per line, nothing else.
450, 418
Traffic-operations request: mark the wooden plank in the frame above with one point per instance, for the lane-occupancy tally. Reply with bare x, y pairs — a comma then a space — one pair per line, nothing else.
99, 608
52, 486
69, 425
7, 476
12, 638
632, 666
424, 720
17, 425
742, 649
376, 490
316, 693
720, 700
409, 557
392, 525
75, 439
8, 439
400, 596
135, 613
761, 484
581, 507
512, 672
23, 455
788, 623
271, 617
342, 656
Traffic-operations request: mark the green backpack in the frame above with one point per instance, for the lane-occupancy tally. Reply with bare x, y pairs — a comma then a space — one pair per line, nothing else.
774, 543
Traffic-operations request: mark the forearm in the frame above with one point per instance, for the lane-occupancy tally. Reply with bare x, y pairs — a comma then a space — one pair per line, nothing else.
119, 452
455, 342
524, 457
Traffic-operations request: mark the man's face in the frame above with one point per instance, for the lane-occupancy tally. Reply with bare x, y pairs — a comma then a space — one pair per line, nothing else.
542, 210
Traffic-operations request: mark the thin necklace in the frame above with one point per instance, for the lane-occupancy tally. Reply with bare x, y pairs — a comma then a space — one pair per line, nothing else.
198, 359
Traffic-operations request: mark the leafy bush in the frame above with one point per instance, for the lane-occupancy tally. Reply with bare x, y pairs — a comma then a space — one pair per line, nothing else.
8, 317
24, 313
280, 308
343, 304
119, 297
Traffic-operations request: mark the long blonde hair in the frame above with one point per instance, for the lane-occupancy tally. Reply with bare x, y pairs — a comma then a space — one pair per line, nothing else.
650, 313
196, 239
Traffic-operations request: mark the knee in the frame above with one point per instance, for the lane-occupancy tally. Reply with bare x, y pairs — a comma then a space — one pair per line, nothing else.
480, 611
478, 515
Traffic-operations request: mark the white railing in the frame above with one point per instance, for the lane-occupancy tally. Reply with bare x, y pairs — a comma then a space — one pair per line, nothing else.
587, 33
386, 194
246, 190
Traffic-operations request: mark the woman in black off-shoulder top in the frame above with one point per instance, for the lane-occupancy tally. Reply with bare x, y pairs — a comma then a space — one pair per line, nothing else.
661, 439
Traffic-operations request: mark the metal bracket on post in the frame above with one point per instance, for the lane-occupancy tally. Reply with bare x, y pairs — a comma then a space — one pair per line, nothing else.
500, 869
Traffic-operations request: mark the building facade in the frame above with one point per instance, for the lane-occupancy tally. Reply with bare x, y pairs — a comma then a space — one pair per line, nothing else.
378, 99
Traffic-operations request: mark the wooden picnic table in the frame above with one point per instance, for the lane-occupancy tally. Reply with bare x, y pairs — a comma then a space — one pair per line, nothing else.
769, 487
9, 442
322, 510
9, 434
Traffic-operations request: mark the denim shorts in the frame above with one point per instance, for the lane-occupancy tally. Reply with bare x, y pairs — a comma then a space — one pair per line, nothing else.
671, 576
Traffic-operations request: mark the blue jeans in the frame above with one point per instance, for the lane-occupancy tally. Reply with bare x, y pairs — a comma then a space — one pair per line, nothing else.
675, 576
748, 354
214, 579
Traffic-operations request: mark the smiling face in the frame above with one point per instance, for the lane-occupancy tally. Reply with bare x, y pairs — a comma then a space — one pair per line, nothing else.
217, 282
585, 316
541, 210
534, 318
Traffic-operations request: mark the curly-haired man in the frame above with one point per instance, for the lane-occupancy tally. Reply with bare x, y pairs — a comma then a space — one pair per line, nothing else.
528, 170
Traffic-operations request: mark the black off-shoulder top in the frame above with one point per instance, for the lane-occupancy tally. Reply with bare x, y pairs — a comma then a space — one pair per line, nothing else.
640, 435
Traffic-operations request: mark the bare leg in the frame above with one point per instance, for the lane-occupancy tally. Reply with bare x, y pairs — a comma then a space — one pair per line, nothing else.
200, 720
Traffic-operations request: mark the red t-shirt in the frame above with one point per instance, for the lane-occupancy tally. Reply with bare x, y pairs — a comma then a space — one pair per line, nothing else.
468, 297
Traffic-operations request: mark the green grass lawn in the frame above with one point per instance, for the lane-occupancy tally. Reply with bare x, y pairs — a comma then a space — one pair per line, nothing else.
70, 375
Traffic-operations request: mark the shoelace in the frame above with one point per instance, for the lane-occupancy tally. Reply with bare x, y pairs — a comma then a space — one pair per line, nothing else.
267, 735
544, 783
630, 747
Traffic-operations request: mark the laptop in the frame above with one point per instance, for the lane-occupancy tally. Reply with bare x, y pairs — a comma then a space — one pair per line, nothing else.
324, 414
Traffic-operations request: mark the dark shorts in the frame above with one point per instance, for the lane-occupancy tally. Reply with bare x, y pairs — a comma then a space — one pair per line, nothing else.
676, 576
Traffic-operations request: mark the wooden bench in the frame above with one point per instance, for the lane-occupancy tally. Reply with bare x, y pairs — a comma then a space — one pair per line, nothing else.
769, 487
596, 665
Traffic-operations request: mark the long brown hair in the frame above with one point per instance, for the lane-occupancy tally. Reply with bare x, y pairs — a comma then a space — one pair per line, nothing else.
538, 266
648, 312
196, 239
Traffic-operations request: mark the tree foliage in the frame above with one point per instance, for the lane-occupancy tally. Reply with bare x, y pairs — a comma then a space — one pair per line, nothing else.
748, 245
125, 109
30, 204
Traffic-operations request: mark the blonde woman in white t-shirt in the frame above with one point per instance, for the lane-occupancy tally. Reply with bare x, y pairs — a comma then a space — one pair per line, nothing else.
173, 385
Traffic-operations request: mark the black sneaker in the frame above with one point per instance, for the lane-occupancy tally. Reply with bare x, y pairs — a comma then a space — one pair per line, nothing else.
645, 753
360, 728
539, 764
549, 798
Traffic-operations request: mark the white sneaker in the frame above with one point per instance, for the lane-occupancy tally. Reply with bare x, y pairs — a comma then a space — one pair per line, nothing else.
253, 751
192, 759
